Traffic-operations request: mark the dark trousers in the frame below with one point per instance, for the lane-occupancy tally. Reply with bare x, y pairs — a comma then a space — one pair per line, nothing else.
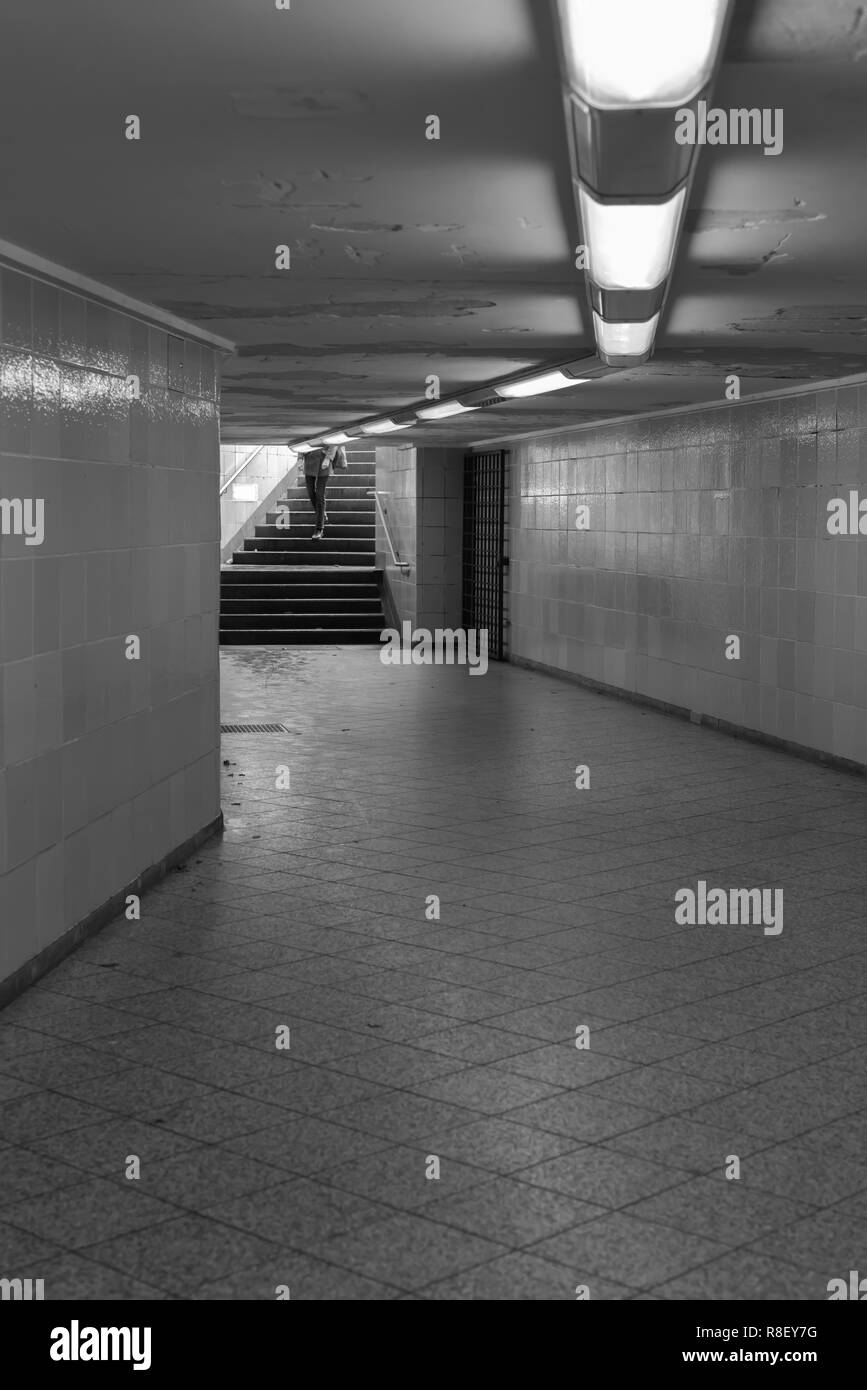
316, 492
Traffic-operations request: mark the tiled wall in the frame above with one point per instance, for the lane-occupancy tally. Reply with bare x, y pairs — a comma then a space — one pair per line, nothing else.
108, 764
440, 484
702, 525
426, 517
396, 476
266, 470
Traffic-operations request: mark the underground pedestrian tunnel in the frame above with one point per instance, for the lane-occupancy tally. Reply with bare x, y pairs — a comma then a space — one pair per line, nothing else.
286, 920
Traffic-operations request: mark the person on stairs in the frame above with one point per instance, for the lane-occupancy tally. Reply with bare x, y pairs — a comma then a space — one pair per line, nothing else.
318, 466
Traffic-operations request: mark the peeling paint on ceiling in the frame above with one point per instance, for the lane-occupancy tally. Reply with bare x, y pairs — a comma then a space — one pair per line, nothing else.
257, 192
810, 364
458, 352
306, 249
334, 175
364, 257
294, 103
749, 267
373, 309
460, 253
308, 377
358, 228
811, 318
715, 220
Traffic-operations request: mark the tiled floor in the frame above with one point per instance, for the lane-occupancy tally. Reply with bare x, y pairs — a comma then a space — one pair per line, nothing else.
414, 1041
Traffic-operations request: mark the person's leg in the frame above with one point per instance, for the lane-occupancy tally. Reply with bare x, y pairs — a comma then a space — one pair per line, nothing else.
325, 481
321, 483
311, 490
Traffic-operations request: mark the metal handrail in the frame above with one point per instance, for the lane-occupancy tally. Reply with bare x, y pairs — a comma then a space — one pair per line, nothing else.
248, 459
375, 493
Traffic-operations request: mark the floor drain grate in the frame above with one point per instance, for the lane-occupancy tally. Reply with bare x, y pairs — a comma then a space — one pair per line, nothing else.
254, 729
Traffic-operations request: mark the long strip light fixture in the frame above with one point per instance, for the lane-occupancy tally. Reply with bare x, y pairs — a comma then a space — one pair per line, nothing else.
537, 383
628, 67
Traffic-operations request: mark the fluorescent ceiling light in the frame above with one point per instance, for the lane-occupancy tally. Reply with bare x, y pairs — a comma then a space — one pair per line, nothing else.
301, 448
442, 412
538, 385
631, 244
383, 427
339, 438
624, 339
640, 52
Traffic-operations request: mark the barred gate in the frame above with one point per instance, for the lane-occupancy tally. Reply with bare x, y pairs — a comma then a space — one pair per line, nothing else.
485, 555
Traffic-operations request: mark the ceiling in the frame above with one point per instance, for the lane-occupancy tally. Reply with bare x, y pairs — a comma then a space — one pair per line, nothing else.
410, 257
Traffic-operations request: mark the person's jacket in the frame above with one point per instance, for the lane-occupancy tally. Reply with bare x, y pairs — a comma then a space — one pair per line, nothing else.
323, 460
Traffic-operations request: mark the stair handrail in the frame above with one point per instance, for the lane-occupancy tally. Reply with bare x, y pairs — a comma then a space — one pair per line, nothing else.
375, 493
249, 459
259, 513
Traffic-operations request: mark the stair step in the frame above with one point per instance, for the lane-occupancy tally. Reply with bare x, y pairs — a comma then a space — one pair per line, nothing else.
334, 503
337, 491
300, 521
300, 573
313, 584
280, 622
301, 557
298, 637
334, 529
321, 603
357, 576
339, 509
364, 469
304, 594
282, 542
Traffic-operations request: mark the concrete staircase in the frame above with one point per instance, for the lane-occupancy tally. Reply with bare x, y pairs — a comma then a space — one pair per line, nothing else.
286, 589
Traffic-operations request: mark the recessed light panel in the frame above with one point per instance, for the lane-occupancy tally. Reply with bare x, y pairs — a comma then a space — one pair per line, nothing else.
625, 339
622, 53
444, 410
631, 244
537, 385
383, 427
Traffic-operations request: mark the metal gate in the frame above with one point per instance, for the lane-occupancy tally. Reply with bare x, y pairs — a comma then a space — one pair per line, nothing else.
485, 546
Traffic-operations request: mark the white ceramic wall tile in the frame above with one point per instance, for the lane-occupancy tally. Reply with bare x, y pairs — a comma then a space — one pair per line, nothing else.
704, 525
107, 764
